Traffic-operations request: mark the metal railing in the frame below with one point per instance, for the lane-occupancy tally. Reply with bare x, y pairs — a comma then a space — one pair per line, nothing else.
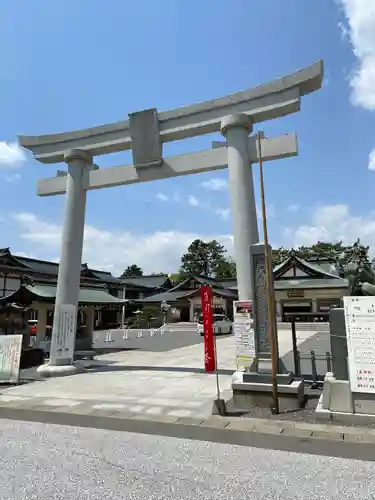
310, 359
313, 376
147, 333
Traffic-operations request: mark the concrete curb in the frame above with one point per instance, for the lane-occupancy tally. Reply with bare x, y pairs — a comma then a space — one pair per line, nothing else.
259, 433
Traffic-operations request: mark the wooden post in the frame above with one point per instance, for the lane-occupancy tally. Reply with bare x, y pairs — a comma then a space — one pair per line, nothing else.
270, 299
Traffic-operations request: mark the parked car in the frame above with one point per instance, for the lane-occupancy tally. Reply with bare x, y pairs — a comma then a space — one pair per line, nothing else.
221, 323
33, 325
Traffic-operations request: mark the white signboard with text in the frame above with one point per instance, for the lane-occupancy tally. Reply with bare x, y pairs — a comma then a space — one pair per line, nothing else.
10, 357
360, 334
64, 332
244, 332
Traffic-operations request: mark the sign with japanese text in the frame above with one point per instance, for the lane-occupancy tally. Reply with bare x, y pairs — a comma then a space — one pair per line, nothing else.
295, 293
208, 328
64, 332
243, 329
360, 334
10, 357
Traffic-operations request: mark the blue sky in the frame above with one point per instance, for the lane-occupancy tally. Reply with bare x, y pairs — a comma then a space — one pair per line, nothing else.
70, 65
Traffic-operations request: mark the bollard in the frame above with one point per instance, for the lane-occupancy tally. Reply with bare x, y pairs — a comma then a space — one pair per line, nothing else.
125, 335
314, 370
151, 332
297, 361
297, 364
328, 360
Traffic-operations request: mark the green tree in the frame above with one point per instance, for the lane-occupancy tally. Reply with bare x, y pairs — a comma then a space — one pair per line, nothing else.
132, 270
279, 255
203, 258
226, 269
177, 278
322, 249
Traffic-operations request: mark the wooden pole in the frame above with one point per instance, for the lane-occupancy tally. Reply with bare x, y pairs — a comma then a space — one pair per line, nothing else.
270, 299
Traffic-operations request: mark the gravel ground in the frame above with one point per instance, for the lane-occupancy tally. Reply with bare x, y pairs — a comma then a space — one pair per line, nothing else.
40, 462
306, 414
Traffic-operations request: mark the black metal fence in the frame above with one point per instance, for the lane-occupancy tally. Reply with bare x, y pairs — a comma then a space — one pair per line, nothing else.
306, 363
313, 376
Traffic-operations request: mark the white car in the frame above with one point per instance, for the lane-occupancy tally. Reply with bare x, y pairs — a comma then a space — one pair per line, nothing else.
222, 324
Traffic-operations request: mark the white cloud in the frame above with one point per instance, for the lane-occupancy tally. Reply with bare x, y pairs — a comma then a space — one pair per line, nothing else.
162, 197
193, 201
162, 250
174, 198
14, 178
222, 212
360, 19
11, 155
294, 207
114, 250
344, 31
371, 160
215, 184
334, 223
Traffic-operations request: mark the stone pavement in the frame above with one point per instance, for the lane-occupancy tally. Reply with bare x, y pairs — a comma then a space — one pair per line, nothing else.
164, 393
170, 383
349, 442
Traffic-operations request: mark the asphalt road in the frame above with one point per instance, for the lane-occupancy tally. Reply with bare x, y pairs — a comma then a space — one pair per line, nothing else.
43, 461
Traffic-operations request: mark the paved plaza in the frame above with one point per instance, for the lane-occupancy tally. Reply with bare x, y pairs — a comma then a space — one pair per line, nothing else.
169, 383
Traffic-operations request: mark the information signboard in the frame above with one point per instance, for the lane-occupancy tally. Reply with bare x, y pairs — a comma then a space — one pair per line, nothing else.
10, 357
64, 332
243, 329
360, 334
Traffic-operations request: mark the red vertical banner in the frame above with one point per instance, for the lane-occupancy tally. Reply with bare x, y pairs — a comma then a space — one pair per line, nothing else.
208, 329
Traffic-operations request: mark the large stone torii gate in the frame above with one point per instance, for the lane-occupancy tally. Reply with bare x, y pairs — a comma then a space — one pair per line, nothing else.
145, 132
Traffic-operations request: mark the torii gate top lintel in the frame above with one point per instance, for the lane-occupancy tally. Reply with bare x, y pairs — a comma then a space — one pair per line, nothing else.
271, 100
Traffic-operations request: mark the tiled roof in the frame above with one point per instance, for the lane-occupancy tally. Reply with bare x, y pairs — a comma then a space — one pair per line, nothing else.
227, 283
324, 269
107, 277
167, 296
52, 268
152, 281
87, 295
39, 266
172, 296
313, 283
202, 280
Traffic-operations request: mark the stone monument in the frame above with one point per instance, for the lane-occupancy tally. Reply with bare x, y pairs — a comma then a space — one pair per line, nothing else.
145, 132
253, 387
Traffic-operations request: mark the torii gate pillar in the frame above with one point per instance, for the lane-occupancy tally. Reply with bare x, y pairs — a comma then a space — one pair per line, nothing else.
236, 129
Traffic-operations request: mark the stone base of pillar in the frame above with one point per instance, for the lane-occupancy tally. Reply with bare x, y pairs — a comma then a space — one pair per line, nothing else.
261, 367
49, 371
246, 395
